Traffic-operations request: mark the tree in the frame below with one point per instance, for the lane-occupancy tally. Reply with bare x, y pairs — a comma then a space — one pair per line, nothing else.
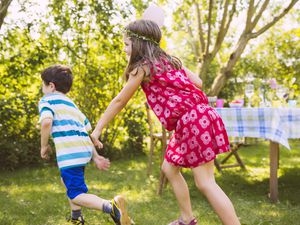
213, 20
84, 34
4, 4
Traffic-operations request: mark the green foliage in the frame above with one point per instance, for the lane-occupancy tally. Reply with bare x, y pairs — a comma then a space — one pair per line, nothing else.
275, 57
86, 35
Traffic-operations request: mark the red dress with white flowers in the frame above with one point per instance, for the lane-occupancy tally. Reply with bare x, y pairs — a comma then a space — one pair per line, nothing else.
179, 105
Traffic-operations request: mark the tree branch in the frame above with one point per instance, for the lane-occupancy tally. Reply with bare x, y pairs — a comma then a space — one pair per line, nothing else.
250, 13
275, 20
223, 21
224, 26
210, 8
3, 10
232, 12
200, 29
256, 6
259, 14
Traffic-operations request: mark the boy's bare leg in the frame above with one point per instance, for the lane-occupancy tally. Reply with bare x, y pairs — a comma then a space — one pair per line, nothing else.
94, 202
73, 205
89, 200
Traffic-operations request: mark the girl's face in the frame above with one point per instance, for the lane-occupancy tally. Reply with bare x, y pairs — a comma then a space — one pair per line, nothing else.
127, 46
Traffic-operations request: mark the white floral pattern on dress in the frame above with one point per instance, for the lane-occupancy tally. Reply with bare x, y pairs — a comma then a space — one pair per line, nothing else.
195, 130
193, 143
192, 157
185, 133
155, 88
193, 115
205, 137
170, 76
167, 112
181, 161
176, 98
208, 154
201, 108
161, 99
172, 142
172, 103
152, 98
157, 109
212, 114
220, 139
175, 157
177, 84
163, 121
185, 118
204, 122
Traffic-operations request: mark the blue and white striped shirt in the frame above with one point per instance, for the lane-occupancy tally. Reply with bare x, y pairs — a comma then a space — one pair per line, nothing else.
69, 130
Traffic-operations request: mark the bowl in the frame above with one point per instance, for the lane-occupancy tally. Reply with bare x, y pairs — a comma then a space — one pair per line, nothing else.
236, 105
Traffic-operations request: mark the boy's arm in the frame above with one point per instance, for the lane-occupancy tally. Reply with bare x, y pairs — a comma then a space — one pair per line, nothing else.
117, 104
101, 162
193, 77
46, 126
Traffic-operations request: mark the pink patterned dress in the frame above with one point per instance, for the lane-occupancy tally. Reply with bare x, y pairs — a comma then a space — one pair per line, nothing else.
179, 105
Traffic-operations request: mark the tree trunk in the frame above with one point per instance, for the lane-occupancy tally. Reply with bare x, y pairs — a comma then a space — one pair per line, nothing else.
204, 68
226, 71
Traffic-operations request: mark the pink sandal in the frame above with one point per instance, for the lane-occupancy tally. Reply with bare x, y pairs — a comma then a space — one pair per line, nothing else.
180, 222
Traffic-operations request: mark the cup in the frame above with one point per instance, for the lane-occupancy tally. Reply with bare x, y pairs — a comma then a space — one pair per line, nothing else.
219, 103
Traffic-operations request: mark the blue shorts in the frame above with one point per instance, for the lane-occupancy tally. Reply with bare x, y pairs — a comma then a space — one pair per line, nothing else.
73, 179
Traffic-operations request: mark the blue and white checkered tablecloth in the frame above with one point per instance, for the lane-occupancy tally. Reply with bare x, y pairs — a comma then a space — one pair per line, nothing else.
276, 124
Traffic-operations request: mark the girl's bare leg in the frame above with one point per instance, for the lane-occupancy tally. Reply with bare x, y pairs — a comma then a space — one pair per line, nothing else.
180, 189
205, 182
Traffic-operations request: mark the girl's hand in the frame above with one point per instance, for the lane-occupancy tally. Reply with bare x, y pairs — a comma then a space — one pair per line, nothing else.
101, 162
95, 139
45, 150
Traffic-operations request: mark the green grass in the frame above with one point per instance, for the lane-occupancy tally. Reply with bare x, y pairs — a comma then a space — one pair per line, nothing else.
35, 196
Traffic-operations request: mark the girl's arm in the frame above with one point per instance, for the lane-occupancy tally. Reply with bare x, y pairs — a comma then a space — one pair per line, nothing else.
117, 104
193, 77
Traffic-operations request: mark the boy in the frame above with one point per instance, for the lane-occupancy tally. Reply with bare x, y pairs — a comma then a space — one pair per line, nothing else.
60, 118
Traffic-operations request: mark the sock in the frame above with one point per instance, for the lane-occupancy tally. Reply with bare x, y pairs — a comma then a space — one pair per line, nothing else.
76, 214
107, 207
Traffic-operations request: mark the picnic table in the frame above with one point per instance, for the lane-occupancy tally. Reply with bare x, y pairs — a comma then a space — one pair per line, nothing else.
274, 124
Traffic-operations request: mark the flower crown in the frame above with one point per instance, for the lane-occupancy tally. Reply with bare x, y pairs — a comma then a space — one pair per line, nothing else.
132, 34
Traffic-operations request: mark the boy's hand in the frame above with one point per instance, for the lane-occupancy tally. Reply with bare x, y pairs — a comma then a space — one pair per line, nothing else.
101, 162
45, 150
95, 139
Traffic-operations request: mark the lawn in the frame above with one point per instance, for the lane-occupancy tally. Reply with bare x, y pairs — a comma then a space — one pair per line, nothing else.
35, 196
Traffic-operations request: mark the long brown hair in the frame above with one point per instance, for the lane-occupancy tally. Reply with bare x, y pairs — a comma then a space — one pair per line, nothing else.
145, 36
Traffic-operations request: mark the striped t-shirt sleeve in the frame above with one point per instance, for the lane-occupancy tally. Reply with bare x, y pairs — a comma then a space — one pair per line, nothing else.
45, 110
87, 124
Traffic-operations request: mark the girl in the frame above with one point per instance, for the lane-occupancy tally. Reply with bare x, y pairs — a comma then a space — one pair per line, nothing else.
173, 93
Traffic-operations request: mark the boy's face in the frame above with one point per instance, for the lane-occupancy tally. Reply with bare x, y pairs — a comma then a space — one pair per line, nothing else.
127, 46
47, 89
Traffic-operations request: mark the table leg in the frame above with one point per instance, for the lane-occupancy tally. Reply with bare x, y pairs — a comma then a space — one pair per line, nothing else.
274, 155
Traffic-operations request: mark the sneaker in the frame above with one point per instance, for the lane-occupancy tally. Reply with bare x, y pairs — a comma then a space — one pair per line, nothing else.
78, 221
119, 212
